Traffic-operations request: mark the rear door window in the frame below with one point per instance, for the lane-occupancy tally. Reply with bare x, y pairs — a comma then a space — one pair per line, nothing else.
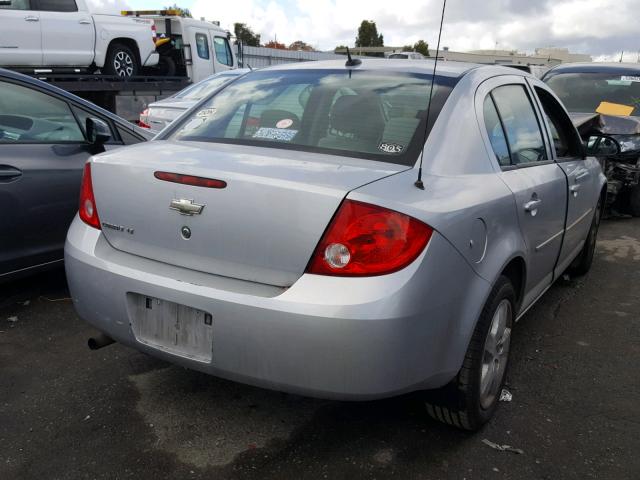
496, 133
521, 127
15, 5
202, 46
223, 51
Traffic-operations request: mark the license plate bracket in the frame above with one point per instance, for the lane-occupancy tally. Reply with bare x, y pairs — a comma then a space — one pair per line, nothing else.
172, 327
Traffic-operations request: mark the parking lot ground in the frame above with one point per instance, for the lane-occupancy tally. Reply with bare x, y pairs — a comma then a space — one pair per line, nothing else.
70, 413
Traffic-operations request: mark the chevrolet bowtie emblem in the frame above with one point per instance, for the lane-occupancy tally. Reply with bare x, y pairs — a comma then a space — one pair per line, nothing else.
186, 207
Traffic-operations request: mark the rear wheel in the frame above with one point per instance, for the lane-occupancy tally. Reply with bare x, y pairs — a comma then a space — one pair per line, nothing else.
582, 264
471, 399
121, 61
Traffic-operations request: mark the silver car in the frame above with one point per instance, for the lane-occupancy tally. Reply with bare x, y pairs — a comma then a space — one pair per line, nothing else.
161, 113
278, 236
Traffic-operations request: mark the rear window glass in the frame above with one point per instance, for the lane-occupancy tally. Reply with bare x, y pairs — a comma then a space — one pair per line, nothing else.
204, 88
584, 92
361, 114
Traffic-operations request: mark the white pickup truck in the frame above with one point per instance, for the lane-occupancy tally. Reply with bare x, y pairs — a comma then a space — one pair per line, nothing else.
63, 34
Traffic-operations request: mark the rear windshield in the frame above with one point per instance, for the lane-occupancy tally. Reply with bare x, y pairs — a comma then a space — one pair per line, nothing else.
584, 92
365, 114
203, 88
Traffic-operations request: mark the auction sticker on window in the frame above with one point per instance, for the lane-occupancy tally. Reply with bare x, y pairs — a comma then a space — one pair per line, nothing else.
388, 147
284, 123
279, 134
206, 113
630, 78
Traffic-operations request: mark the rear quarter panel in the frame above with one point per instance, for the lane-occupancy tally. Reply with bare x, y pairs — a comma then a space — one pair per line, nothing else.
110, 27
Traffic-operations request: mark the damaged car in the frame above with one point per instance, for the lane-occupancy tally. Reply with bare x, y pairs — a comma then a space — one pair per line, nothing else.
604, 99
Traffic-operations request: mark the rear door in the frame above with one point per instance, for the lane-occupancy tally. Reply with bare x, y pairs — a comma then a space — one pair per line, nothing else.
201, 54
527, 168
68, 36
222, 51
20, 38
582, 175
42, 153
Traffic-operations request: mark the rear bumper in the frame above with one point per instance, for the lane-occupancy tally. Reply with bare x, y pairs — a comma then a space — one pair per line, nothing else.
325, 337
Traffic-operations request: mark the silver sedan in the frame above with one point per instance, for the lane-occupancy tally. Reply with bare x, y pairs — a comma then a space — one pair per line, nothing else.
278, 235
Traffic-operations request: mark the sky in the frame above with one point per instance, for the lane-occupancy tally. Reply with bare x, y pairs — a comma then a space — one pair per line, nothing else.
602, 28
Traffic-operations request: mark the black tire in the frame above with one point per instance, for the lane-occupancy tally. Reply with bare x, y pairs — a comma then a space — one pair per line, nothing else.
582, 264
121, 61
634, 201
462, 403
167, 66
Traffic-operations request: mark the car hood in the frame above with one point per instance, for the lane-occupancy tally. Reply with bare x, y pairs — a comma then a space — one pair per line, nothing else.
605, 124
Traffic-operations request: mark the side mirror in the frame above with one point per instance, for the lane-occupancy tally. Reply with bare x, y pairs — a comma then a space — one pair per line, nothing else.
602, 146
98, 132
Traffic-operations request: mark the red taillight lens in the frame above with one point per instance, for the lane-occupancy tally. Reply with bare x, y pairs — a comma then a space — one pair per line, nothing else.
88, 211
366, 240
144, 119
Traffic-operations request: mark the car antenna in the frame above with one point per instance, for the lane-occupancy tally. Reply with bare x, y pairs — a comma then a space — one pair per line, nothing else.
351, 62
418, 183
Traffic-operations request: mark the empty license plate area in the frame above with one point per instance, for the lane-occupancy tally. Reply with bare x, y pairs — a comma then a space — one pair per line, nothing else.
171, 327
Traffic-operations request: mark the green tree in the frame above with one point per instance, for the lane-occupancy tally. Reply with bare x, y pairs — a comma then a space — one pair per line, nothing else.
300, 45
245, 35
421, 47
340, 47
407, 48
183, 12
276, 45
368, 35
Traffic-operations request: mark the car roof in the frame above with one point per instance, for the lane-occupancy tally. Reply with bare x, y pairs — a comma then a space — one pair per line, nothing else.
27, 80
444, 68
595, 67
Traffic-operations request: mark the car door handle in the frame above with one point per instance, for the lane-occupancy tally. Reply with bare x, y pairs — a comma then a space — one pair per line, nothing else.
85, 21
31, 18
532, 206
574, 189
8, 173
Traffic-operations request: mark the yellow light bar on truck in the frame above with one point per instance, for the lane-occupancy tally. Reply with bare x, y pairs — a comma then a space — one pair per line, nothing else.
137, 13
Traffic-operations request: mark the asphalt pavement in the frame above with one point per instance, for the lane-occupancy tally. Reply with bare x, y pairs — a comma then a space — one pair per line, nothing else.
70, 413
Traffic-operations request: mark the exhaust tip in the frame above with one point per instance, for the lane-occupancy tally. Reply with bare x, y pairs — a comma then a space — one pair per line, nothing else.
99, 341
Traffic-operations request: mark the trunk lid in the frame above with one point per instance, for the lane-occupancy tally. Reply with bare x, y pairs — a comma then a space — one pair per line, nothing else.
166, 111
262, 227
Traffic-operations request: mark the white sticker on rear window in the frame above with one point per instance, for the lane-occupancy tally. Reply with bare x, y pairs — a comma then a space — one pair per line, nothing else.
387, 147
284, 123
630, 78
206, 113
275, 134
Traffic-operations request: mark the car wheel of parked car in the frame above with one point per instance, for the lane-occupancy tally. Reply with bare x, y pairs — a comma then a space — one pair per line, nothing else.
634, 201
582, 264
121, 61
471, 399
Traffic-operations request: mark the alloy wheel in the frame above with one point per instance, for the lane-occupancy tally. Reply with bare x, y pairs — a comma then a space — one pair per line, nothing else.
495, 354
123, 64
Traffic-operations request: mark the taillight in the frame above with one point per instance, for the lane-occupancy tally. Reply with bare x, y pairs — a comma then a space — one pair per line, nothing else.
144, 119
367, 240
190, 180
154, 31
88, 211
